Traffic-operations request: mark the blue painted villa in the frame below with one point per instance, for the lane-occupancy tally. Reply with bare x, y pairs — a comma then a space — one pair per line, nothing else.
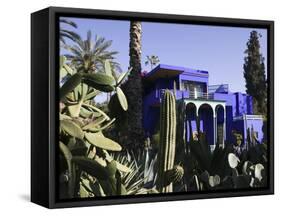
219, 110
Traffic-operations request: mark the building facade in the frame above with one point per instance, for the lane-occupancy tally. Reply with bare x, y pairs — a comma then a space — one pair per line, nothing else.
218, 111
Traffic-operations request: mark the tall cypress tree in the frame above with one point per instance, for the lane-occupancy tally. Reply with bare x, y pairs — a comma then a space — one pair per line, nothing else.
254, 74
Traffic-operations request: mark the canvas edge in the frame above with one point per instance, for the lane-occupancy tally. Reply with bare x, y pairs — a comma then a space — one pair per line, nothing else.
40, 108
55, 11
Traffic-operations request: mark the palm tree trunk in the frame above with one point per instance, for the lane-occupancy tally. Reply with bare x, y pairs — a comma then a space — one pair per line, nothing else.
134, 89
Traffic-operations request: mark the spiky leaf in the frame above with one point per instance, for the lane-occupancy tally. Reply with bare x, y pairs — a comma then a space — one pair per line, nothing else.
94, 124
91, 95
122, 98
123, 76
96, 109
85, 112
98, 128
123, 168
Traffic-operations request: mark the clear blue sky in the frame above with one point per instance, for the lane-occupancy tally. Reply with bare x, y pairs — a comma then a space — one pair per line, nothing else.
219, 50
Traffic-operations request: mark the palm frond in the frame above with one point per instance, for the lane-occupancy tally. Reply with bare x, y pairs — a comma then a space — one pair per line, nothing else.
74, 36
69, 22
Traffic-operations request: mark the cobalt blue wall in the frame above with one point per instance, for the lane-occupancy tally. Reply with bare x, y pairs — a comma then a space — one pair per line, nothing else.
237, 103
151, 120
244, 104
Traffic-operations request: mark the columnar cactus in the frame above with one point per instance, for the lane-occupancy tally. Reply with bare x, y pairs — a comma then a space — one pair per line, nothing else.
166, 155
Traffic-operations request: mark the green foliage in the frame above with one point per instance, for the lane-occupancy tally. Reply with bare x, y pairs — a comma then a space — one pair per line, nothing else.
122, 99
254, 73
123, 76
98, 140
89, 55
94, 168
88, 170
72, 129
132, 173
98, 80
228, 170
70, 84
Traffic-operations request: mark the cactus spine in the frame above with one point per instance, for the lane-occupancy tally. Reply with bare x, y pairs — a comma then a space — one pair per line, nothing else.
167, 146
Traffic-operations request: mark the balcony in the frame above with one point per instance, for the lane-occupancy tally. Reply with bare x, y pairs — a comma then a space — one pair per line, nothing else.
190, 94
201, 95
154, 97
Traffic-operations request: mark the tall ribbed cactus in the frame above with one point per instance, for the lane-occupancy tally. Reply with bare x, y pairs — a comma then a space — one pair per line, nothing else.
166, 155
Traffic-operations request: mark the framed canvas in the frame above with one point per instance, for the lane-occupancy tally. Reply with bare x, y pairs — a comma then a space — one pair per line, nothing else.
138, 107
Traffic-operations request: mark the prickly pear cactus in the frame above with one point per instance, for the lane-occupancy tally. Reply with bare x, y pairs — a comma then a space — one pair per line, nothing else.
166, 155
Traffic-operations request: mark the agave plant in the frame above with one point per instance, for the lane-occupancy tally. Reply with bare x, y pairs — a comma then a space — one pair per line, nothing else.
132, 175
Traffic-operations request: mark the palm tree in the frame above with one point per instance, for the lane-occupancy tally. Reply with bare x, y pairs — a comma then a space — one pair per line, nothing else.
66, 33
133, 90
152, 60
89, 55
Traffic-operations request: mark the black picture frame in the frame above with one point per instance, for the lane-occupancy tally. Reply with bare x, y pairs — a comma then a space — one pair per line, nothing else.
44, 103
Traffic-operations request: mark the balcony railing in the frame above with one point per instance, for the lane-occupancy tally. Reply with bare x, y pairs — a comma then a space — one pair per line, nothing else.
201, 95
190, 94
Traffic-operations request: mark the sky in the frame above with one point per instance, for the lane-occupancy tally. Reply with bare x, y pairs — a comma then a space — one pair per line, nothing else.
218, 50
